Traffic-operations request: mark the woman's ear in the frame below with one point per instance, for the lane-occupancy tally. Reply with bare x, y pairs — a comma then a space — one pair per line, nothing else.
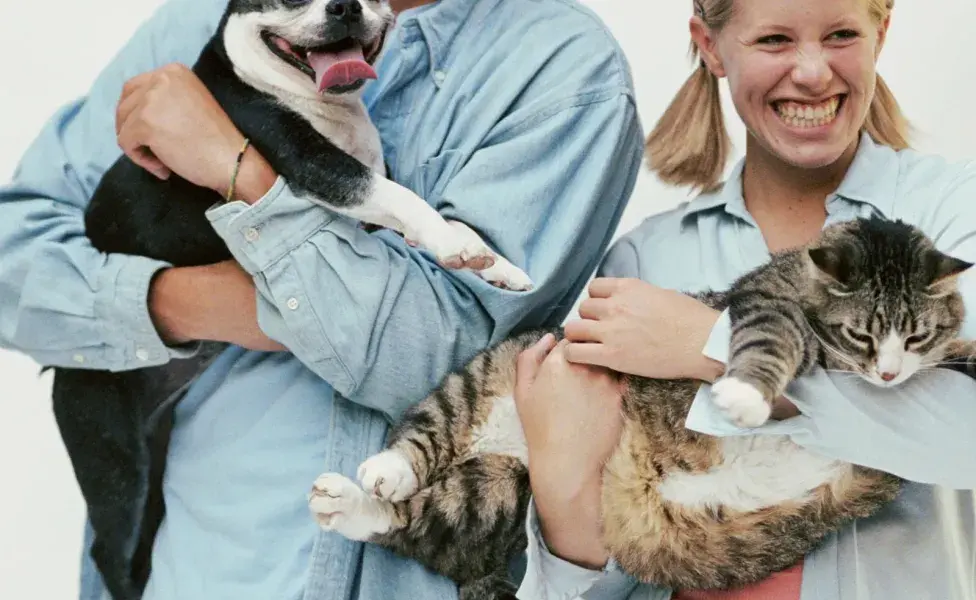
882, 36
705, 41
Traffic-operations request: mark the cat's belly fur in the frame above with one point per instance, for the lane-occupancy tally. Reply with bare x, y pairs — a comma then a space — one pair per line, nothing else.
737, 510
756, 471
501, 432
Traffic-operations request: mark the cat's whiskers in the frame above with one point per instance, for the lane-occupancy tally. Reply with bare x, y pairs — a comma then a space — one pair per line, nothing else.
837, 353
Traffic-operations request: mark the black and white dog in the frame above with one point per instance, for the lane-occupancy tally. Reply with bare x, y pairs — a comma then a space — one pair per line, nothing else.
288, 73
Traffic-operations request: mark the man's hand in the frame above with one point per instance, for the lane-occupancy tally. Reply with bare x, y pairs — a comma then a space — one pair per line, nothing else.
167, 122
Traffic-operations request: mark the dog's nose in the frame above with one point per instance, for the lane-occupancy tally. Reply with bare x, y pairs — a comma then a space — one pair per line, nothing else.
349, 10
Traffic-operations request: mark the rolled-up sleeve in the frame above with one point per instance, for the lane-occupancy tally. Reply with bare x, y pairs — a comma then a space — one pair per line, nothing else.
62, 302
548, 577
380, 321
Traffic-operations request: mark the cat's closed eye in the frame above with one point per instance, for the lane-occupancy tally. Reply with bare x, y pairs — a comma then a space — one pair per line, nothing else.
917, 339
859, 338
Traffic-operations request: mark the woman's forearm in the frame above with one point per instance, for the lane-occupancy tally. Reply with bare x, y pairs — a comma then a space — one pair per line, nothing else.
569, 516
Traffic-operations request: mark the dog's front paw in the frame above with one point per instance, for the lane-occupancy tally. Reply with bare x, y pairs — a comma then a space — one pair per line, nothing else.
507, 276
740, 402
459, 247
388, 476
341, 506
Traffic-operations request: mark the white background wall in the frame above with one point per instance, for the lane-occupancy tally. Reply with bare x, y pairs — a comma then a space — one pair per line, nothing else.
51, 51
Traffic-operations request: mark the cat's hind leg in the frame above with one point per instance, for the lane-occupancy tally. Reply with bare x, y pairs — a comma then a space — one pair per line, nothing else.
468, 525
472, 412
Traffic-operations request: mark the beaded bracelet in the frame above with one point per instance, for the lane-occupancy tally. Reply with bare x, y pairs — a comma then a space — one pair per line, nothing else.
237, 169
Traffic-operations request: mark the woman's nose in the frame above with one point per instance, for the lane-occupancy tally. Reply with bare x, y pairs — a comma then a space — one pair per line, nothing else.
812, 70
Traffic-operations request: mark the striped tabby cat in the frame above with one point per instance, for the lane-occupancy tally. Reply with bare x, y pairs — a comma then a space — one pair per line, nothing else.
870, 296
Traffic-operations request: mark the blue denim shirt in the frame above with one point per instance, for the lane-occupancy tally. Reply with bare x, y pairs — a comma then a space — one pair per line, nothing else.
921, 546
515, 116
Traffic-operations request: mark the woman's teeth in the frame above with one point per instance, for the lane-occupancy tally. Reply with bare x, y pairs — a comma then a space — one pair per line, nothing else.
807, 115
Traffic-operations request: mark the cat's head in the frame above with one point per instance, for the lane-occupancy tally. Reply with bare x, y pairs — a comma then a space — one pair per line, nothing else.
885, 299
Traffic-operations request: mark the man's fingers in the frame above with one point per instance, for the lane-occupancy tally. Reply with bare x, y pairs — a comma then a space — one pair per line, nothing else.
126, 107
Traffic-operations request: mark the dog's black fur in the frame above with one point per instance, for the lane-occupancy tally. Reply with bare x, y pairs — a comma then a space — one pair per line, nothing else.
107, 418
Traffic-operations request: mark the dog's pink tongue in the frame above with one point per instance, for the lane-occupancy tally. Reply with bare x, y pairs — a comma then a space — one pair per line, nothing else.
339, 68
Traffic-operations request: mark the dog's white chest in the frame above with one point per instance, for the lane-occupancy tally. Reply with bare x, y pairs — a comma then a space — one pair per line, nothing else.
347, 126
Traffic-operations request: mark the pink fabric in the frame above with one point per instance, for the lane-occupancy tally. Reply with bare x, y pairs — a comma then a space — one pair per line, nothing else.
784, 585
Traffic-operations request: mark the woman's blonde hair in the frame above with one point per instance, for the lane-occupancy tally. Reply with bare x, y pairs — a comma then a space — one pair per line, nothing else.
690, 145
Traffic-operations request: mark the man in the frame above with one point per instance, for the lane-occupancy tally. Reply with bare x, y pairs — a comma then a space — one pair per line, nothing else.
515, 117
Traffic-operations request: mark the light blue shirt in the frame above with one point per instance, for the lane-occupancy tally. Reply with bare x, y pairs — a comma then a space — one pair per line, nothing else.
922, 545
515, 116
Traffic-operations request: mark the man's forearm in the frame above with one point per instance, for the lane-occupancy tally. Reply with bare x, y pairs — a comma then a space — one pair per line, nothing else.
211, 302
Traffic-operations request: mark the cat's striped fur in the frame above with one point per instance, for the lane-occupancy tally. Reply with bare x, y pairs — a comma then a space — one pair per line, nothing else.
452, 489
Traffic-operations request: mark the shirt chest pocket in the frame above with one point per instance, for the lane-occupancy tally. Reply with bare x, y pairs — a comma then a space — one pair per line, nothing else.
436, 173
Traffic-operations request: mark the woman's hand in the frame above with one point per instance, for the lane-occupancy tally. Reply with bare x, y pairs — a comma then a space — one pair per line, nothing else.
167, 121
632, 326
572, 419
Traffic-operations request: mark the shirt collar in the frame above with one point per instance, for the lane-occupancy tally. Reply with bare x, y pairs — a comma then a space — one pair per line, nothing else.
440, 24
871, 179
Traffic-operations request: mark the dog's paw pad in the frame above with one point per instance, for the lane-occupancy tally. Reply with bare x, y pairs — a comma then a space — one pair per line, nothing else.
507, 276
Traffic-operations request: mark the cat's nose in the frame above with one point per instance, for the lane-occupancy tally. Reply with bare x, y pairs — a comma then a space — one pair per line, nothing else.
888, 375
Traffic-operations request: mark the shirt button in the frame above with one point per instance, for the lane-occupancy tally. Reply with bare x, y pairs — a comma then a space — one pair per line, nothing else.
78, 358
251, 234
292, 303
439, 76
142, 354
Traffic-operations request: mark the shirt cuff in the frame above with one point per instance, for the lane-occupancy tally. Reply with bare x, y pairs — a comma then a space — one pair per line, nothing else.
704, 417
548, 577
260, 234
717, 345
126, 313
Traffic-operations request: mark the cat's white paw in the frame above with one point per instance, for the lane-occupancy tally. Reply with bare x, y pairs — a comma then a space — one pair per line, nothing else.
388, 476
740, 402
507, 276
341, 506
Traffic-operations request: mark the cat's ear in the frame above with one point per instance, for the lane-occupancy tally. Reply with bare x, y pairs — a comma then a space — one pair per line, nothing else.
832, 262
943, 271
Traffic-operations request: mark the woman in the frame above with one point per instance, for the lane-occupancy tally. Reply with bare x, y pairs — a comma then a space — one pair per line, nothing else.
826, 142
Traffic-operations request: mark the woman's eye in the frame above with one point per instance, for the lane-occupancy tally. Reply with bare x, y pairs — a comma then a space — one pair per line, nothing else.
844, 34
771, 40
